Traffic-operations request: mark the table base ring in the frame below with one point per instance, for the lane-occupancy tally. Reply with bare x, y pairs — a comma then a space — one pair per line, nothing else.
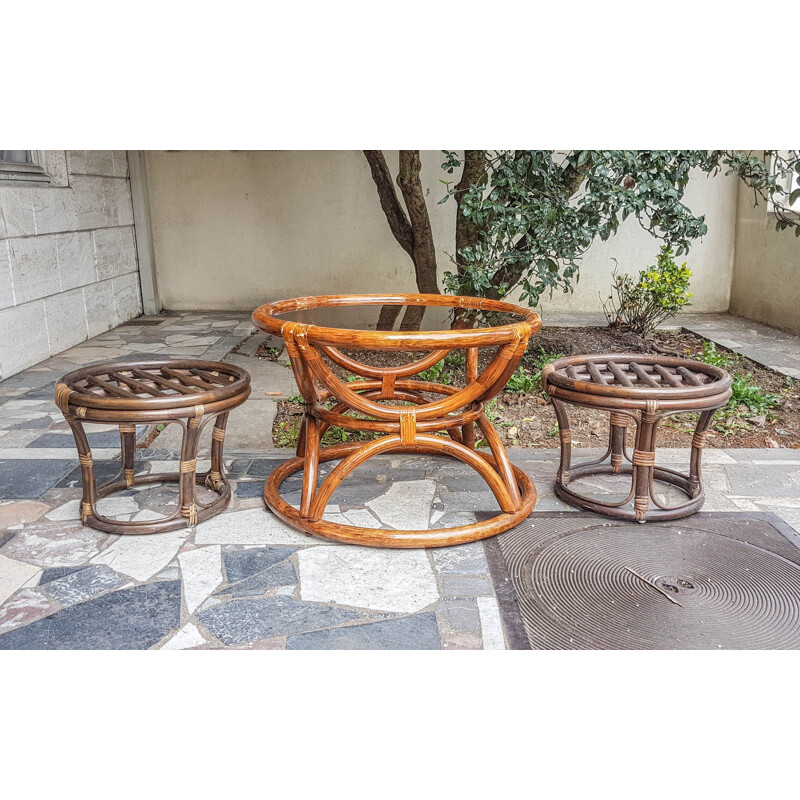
377, 537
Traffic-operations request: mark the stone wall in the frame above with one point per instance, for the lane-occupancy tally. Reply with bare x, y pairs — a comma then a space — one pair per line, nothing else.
234, 229
766, 277
68, 267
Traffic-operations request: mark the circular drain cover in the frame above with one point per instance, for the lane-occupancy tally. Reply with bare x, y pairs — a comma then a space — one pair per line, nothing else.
646, 587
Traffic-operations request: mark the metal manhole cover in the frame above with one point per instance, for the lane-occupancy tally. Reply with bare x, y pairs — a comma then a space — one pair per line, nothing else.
715, 581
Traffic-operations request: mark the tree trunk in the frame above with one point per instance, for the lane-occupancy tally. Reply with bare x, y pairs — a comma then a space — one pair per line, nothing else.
413, 232
467, 232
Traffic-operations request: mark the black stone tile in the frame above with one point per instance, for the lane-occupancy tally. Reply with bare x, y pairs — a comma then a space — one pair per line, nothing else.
44, 392
246, 620
240, 564
53, 573
249, 488
103, 471
96, 439
6, 537
282, 574
84, 584
32, 424
263, 467
418, 632
129, 619
238, 467
28, 479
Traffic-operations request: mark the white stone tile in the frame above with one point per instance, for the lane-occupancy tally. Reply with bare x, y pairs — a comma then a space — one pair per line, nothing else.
14, 575
66, 320
141, 557
201, 573
76, 161
54, 210
76, 259
117, 198
406, 505
56, 167
147, 515
120, 163
127, 297
365, 577
16, 212
186, 638
117, 506
99, 300
361, 518
66, 545
114, 252
491, 624
34, 267
252, 526
69, 510
6, 283
23, 337
99, 162
89, 201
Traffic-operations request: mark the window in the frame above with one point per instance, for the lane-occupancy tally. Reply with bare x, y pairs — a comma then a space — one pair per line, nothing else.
23, 167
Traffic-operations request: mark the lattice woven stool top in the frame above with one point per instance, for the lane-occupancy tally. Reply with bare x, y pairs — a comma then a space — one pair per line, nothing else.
634, 376
160, 384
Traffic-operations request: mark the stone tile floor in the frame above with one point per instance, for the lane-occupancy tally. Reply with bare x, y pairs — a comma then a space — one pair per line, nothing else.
243, 580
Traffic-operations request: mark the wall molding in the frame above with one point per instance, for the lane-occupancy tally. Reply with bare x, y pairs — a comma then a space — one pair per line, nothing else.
148, 280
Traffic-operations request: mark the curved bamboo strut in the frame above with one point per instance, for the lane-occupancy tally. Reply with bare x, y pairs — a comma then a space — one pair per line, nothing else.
357, 368
377, 537
394, 442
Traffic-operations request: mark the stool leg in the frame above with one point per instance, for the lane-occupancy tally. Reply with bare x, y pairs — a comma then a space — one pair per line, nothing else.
127, 435
187, 497
644, 460
565, 435
215, 479
87, 469
698, 442
618, 430
311, 440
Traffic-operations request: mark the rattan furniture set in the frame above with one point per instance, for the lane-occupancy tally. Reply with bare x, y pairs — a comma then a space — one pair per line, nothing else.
408, 411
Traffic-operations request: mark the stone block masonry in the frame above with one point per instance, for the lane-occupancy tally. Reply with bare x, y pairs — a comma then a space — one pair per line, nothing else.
68, 267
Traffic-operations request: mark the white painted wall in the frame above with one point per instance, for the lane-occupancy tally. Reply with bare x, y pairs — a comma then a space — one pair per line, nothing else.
233, 230
68, 267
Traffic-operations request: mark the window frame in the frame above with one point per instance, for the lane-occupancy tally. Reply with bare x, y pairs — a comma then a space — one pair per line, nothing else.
15, 173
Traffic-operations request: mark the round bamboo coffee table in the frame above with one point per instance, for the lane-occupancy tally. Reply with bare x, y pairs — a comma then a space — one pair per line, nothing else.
189, 393
408, 410
643, 390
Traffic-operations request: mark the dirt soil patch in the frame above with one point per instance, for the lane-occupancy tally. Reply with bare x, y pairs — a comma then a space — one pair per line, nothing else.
526, 419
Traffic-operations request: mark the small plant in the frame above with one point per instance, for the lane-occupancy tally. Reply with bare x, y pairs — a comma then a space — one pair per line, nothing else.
434, 374
658, 294
713, 357
297, 399
752, 396
521, 382
286, 435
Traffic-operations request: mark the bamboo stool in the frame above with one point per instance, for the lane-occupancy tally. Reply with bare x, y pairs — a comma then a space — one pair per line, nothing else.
189, 393
408, 428
643, 390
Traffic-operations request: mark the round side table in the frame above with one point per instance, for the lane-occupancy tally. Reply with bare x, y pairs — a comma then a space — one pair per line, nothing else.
190, 393
409, 411
640, 390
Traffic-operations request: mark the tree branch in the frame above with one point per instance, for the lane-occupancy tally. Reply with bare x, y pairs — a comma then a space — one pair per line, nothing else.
395, 216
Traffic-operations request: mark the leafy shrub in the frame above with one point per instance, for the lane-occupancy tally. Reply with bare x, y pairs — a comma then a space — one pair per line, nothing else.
520, 381
711, 356
658, 294
750, 395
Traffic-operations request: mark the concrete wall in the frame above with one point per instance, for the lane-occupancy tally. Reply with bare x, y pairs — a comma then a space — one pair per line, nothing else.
235, 229
68, 266
766, 279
